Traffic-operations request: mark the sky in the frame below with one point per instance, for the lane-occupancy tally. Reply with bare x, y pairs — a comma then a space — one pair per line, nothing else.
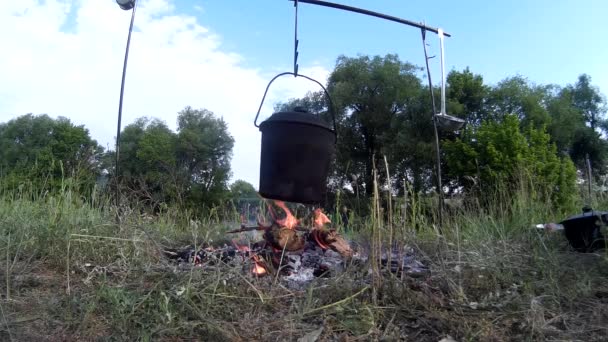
64, 57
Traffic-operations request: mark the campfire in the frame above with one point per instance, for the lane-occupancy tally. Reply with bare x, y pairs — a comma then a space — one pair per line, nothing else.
297, 249
286, 239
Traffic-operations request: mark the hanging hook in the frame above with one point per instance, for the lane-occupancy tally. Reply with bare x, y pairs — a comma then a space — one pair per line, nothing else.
296, 41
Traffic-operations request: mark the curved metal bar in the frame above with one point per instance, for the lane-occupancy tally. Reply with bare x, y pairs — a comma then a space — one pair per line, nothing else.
331, 103
122, 91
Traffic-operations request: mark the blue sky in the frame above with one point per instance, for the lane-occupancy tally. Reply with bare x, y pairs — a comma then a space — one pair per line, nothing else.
64, 57
546, 41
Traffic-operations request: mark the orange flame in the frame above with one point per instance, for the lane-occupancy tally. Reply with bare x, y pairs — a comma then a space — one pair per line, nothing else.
258, 268
241, 248
320, 218
289, 221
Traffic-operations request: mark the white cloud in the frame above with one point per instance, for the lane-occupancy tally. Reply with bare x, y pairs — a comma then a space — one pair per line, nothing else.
174, 61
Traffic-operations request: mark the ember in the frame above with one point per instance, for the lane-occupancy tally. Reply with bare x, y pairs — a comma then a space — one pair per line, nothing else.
258, 267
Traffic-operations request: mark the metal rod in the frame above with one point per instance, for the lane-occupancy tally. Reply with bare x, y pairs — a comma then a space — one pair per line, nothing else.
589, 178
296, 42
438, 156
440, 34
122, 91
373, 14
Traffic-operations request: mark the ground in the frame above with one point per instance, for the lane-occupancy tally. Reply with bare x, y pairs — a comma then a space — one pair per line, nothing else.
71, 273
468, 297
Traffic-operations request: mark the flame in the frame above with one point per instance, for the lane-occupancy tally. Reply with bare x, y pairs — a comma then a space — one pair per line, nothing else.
241, 248
258, 268
289, 221
320, 218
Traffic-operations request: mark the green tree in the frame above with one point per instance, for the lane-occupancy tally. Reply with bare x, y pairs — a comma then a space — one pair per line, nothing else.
45, 151
189, 168
466, 96
242, 189
501, 153
377, 98
515, 95
204, 152
588, 99
566, 120
148, 163
577, 122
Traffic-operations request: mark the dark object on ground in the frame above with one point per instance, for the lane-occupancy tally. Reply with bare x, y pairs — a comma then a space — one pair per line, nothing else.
583, 230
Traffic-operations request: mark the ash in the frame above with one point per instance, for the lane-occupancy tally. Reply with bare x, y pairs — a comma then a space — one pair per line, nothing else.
298, 269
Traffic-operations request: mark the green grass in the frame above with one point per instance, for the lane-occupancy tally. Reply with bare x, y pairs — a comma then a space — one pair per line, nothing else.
70, 273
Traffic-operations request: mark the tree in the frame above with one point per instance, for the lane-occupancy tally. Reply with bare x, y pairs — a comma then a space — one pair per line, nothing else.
189, 168
204, 152
501, 153
242, 189
577, 120
45, 151
375, 97
515, 95
566, 120
148, 162
466, 96
589, 101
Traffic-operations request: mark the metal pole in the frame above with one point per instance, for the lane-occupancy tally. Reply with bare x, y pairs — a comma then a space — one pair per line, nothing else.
372, 14
443, 111
295, 42
589, 178
122, 91
438, 152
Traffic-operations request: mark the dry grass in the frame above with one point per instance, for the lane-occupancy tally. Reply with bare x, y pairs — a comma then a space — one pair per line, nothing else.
70, 274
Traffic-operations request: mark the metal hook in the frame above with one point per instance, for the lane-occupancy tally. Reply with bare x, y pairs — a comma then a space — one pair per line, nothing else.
332, 108
296, 42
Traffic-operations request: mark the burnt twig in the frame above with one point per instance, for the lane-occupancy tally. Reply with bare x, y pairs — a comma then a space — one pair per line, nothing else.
246, 229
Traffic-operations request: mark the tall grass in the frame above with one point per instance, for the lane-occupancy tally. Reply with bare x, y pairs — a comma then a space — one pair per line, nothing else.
493, 276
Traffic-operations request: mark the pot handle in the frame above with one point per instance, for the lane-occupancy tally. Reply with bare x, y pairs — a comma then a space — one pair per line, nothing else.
331, 103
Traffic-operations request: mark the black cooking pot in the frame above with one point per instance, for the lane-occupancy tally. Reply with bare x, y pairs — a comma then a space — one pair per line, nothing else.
297, 148
583, 230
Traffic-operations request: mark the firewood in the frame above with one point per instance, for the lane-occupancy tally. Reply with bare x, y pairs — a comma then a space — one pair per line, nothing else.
333, 240
284, 238
246, 229
261, 227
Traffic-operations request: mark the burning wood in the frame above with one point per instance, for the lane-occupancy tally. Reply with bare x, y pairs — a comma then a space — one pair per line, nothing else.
284, 234
258, 268
284, 238
331, 239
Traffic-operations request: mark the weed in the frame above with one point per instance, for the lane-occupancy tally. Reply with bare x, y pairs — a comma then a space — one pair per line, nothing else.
71, 273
